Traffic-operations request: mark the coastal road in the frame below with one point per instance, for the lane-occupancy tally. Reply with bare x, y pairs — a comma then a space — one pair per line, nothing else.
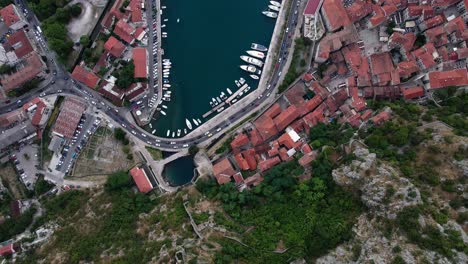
67, 86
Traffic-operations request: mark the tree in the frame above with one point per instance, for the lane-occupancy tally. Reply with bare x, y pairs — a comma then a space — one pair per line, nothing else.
84, 40
6, 69
193, 150
117, 181
75, 10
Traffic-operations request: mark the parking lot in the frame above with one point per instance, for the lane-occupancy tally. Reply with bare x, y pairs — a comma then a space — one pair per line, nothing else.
26, 163
69, 151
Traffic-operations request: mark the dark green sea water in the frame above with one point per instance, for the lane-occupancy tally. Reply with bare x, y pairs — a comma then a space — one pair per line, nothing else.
204, 48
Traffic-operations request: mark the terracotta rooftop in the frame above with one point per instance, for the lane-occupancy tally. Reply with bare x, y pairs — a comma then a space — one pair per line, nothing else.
124, 31
266, 127
223, 171
444, 79
335, 14
243, 165
286, 117
413, 92
135, 7
239, 141
85, 76
141, 179
9, 15
254, 180
139, 59
19, 43
114, 47
33, 66
70, 114
406, 68
405, 41
312, 7
265, 165
273, 111
381, 117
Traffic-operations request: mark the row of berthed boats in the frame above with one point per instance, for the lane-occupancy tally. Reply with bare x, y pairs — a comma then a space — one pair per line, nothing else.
257, 54
273, 9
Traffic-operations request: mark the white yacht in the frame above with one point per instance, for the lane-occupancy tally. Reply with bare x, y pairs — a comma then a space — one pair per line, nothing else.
237, 83
220, 109
166, 85
266, 13
164, 106
154, 131
189, 125
258, 47
218, 99
241, 80
168, 133
195, 121
178, 132
249, 68
256, 54
252, 61
274, 8
199, 121
163, 113
185, 131
173, 134
275, 3
253, 76
229, 91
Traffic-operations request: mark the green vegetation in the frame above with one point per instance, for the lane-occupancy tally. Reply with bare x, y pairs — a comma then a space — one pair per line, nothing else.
390, 26
85, 41
429, 237
42, 186
193, 150
54, 17
6, 69
225, 147
156, 154
295, 69
114, 233
121, 136
309, 217
4, 3
14, 226
125, 75
332, 134
25, 88
420, 40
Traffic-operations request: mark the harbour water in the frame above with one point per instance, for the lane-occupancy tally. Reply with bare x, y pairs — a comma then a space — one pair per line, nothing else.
204, 48
180, 171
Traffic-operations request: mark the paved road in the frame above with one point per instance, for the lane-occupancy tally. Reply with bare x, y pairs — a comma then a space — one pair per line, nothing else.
66, 86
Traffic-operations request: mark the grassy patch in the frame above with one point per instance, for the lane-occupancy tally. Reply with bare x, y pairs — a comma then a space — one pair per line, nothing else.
156, 154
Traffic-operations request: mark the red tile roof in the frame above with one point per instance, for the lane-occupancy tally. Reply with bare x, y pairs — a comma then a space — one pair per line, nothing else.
223, 171
413, 92
249, 156
265, 165
135, 7
141, 179
9, 15
7, 250
266, 127
434, 21
139, 59
238, 178
358, 10
286, 140
286, 117
273, 111
243, 165
239, 141
307, 159
381, 63
424, 55
444, 79
114, 47
33, 66
255, 137
306, 149
38, 114
20, 43
254, 180
407, 68
381, 117
405, 41
335, 14
70, 114
124, 31
311, 7
85, 76
366, 115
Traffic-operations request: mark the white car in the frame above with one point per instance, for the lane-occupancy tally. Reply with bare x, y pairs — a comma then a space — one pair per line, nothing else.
133, 132
143, 135
157, 145
219, 129
173, 143
185, 145
268, 94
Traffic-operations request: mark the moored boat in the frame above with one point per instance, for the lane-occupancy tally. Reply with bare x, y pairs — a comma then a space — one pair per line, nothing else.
253, 76
195, 121
252, 61
274, 8
168, 133
257, 54
275, 3
187, 122
164, 106
258, 47
249, 68
162, 112
173, 134
266, 13
178, 132
166, 85
229, 91
154, 131
199, 121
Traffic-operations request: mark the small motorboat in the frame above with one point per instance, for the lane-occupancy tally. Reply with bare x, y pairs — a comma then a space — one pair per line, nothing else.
178, 132
154, 131
195, 121
162, 112
168, 133
173, 134
253, 76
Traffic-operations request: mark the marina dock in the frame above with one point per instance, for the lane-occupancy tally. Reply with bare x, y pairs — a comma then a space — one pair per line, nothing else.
214, 109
